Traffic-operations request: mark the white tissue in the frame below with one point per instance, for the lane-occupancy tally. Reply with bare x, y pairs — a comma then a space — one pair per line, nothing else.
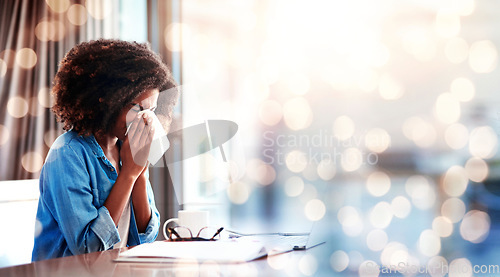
160, 143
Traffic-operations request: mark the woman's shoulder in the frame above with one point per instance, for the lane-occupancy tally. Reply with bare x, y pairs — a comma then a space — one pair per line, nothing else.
72, 140
71, 148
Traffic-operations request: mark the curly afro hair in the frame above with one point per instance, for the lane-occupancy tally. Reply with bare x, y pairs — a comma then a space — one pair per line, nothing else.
97, 79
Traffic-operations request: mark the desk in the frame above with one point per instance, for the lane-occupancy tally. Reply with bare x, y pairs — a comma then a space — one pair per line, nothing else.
102, 264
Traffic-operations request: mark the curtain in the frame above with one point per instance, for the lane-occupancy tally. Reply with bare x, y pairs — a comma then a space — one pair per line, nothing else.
34, 36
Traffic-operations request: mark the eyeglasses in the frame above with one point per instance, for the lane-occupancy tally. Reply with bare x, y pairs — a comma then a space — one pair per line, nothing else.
204, 234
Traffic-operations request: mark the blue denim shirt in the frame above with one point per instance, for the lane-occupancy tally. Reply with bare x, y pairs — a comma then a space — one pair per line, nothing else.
75, 181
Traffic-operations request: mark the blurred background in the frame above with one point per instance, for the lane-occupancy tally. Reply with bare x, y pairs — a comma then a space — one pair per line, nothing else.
377, 118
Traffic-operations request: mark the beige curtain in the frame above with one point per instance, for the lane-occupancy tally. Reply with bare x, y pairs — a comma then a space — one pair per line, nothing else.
34, 36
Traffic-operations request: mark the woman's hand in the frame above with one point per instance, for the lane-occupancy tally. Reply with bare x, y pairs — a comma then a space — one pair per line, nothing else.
135, 149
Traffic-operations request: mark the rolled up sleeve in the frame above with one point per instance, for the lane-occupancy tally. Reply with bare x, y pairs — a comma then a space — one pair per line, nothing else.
86, 227
104, 228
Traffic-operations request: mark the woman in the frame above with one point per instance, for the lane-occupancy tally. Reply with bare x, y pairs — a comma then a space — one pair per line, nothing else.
94, 189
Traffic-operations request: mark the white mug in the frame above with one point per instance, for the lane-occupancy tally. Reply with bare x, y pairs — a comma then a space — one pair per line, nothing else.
191, 219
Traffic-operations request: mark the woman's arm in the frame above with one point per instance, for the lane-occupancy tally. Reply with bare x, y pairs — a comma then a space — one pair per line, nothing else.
119, 195
142, 210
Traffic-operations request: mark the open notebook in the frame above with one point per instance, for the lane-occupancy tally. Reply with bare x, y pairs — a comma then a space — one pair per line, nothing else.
229, 251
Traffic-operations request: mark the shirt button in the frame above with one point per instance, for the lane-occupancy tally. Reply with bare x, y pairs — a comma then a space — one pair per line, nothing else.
112, 169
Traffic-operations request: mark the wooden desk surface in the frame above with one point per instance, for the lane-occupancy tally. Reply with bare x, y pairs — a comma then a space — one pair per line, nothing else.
102, 264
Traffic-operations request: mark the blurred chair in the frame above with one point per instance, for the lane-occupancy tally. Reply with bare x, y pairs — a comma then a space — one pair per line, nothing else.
18, 205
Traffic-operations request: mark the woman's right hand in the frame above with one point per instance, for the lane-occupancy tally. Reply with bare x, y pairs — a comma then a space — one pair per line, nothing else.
135, 149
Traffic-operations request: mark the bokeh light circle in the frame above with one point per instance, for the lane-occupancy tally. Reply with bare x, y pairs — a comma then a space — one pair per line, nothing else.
401, 207
348, 215
45, 97
483, 56
475, 226
44, 31
266, 174
477, 169
447, 108
17, 107
270, 112
419, 131
462, 266
296, 161
173, 34
394, 253
376, 240
294, 186
238, 192
381, 215
377, 140
429, 243
32, 162
77, 14
26, 58
442, 226
50, 136
368, 269
352, 159
326, 169
351, 221
58, 6
421, 191
315, 210
438, 266
378, 183
483, 142
453, 209
355, 260
455, 181
339, 260
343, 127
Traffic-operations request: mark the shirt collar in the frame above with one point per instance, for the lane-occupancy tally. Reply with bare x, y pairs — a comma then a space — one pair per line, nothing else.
96, 148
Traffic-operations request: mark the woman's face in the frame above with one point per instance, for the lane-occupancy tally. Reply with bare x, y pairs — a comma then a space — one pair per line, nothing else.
148, 100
